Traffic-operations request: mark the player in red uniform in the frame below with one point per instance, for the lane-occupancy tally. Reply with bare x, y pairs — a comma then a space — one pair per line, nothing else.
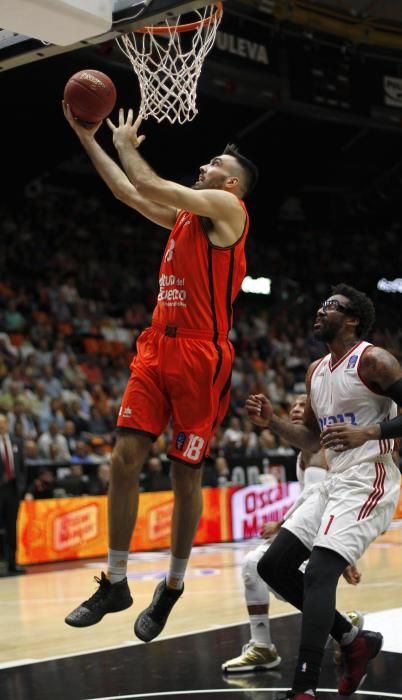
182, 369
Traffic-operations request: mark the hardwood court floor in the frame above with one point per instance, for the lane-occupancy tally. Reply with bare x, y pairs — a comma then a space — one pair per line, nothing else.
211, 613
33, 607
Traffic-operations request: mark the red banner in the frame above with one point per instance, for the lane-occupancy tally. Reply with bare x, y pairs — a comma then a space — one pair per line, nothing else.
76, 528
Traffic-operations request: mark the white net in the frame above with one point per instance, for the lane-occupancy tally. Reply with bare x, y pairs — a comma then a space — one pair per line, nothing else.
168, 60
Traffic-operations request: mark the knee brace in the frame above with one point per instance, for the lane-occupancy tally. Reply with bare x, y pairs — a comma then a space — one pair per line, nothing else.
256, 590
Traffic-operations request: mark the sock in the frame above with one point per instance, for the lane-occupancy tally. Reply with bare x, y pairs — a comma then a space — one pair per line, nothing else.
177, 569
116, 565
260, 632
307, 670
349, 637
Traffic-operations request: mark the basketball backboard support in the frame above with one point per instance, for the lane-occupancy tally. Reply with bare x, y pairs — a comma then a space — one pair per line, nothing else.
61, 22
17, 49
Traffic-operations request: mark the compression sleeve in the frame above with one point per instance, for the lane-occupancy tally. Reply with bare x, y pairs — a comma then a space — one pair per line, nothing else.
393, 428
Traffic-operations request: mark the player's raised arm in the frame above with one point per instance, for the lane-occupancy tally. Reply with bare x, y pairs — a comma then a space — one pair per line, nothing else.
215, 195
115, 178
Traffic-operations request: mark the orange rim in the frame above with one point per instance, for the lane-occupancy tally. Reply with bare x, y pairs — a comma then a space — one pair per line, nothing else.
184, 27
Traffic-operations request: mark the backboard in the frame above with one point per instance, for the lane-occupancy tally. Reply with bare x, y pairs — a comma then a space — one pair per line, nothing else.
17, 49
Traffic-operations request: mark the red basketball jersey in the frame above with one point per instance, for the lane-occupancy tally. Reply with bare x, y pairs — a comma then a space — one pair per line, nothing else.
198, 282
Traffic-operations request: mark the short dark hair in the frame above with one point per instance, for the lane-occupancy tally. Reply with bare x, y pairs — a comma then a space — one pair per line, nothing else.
359, 305
249, 169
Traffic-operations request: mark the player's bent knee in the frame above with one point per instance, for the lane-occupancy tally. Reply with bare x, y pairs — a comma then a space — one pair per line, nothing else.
129, 456
249, 569
266, 570
324, 566
256, 590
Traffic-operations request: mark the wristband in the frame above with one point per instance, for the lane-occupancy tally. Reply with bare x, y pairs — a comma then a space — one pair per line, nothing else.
391, 428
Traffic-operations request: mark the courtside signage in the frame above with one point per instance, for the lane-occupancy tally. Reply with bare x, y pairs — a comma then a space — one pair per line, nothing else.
75, 528
256, 505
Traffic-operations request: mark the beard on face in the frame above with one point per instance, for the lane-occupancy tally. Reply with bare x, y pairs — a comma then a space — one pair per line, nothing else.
213, 184
326, 333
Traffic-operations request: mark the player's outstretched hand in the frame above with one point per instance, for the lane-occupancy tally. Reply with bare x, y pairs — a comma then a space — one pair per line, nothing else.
352, 575
343, 436
259, 410
127, 131
82, 130
270, 530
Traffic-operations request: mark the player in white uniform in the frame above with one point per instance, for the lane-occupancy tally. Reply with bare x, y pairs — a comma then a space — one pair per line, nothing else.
352, 394
260, 653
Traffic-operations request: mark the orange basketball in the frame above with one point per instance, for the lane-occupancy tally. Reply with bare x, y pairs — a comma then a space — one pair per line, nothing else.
91, 95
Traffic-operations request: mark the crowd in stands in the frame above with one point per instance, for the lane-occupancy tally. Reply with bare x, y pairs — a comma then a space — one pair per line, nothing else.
78, 285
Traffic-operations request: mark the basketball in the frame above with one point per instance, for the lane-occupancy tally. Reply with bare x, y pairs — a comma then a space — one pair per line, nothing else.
91, 95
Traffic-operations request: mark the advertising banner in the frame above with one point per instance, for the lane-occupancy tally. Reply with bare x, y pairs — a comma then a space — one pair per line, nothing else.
256, 505
76, 528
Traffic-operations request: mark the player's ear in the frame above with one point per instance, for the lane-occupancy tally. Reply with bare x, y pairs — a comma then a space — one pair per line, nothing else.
232, 182
353, 321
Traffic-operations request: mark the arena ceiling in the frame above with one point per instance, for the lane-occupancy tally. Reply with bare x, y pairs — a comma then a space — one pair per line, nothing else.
371, 10
311, 90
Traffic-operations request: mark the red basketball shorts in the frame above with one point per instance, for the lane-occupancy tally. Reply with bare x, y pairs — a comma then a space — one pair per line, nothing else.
185, 379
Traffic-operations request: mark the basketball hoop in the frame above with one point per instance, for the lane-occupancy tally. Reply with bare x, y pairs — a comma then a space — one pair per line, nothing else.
167, 59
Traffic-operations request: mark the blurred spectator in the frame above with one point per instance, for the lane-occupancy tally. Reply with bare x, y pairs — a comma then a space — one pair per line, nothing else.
69, 291
73, 412
267, 441
81, 453
42, 354
156, 479
90, 367
249, 439
84, 397
100, 399
12, 391
19, 415
237, 401
55, 415
52, 384
285, 448
222, 470
12, 487
99, 484
277, 390
99, 450
60, 356
52, 443
233, 435
98, 423
41, 403
31, 453
72, 373
209, 474
70, 433
75, 483
14, 321
41, 487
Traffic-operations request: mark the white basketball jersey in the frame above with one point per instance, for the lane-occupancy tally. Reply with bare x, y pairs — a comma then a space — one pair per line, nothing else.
339, 395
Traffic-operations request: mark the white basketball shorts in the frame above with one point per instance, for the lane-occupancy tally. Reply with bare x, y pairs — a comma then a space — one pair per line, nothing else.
348, 510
